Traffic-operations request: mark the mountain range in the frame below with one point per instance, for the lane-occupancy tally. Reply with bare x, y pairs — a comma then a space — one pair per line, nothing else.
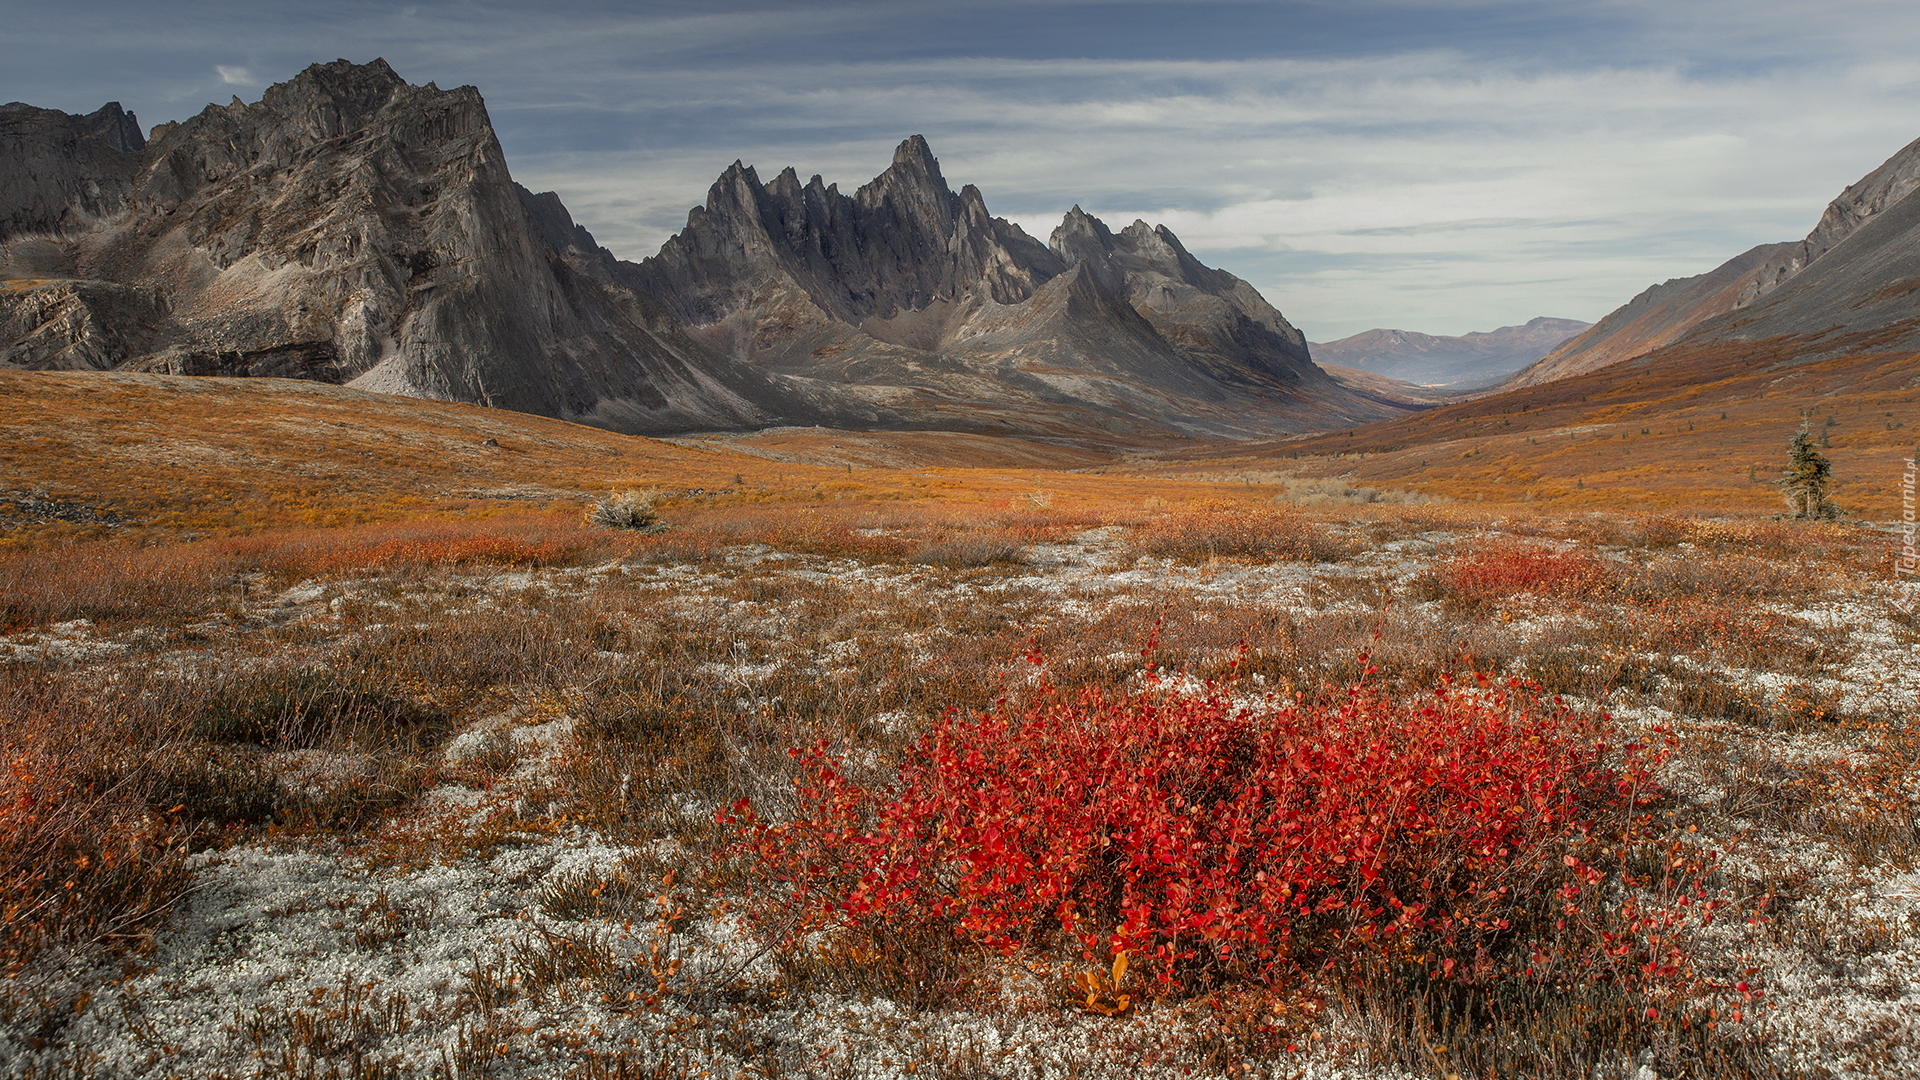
350, 227
1481, 358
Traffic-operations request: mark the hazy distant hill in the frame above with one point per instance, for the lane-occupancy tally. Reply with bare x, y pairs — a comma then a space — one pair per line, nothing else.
1476, 359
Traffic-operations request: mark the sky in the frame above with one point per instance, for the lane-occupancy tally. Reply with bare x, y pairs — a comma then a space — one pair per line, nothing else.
1433, 165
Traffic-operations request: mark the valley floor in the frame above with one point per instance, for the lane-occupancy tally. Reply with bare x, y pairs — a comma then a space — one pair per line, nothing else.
457, 818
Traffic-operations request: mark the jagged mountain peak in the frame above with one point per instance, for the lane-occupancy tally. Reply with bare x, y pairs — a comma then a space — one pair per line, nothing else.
911, 192
901, 243
342, 81
1081, 237
914, 150
323, 101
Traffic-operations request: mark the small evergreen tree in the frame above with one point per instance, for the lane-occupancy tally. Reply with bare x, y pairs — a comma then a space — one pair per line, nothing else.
1804, 483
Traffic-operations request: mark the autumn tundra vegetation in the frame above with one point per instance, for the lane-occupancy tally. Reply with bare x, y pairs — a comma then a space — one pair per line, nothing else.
779, 768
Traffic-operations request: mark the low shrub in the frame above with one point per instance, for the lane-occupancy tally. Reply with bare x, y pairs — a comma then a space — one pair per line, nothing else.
105, 580
125, 580
80, 866
984, 547
1220, 842
624, 510
1504, 570
311, 707
85, 860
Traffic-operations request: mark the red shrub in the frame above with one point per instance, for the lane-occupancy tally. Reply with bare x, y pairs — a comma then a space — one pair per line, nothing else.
1508, 569
1208, 838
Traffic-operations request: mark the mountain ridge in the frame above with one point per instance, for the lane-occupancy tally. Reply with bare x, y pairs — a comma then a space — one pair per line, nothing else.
915, 298
351, 227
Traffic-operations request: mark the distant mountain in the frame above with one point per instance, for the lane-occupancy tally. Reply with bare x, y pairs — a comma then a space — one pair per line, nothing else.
917, 301
350, 227
1470, 360
1854, 278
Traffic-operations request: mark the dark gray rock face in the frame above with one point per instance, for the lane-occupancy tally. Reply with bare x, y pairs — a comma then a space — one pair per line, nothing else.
60, 172
915, 300
902, 244
1866, 252
76, 325
354, 228
1209, 313
1879, 190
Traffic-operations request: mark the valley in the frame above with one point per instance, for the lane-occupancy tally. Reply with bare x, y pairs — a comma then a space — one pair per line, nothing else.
863, 640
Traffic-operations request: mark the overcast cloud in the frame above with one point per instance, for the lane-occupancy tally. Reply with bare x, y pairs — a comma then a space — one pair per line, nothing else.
1424, 164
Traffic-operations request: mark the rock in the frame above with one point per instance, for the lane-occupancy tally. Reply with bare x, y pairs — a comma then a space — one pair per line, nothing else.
68, 325
60, 172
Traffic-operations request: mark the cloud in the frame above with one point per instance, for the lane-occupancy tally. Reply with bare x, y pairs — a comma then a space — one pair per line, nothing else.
235, 76
1431, 191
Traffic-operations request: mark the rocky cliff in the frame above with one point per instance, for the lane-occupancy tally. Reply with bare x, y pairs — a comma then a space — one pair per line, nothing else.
64, 172
1863, 247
